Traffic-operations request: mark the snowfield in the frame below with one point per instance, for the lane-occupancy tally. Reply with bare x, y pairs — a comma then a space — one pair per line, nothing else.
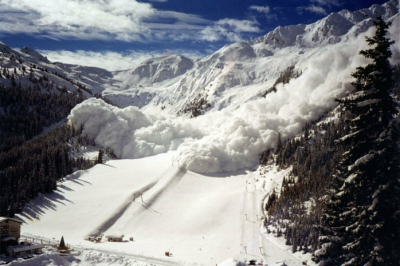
201, 219
195, 217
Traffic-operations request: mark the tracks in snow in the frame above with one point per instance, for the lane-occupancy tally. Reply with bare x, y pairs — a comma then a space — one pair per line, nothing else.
149, 194
251, 239
104, 226
145, 196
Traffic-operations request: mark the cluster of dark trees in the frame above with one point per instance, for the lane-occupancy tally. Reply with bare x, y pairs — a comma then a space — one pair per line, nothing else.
313, 158
44, 69
26, 111
31, 160
341, 200
35, 167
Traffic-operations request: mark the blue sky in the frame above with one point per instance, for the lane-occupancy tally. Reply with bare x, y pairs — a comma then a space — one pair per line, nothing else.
102, 32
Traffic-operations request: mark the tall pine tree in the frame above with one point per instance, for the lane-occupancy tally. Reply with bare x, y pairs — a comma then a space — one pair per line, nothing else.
361, 222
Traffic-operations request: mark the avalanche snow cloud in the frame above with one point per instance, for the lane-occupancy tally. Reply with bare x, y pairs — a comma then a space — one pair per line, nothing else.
229, 139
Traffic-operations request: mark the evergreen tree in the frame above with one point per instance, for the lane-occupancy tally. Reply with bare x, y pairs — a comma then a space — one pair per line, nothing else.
278, 144
360, 225
62, 243
100, 156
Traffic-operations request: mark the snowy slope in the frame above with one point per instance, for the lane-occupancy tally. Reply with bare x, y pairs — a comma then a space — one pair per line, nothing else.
182, 212
156, 70
200, 219
22, 63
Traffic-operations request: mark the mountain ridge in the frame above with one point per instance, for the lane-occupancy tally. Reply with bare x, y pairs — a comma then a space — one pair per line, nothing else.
181, 86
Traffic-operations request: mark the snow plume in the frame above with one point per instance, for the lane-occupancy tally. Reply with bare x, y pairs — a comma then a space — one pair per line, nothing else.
109, 126
216, 142
229, 139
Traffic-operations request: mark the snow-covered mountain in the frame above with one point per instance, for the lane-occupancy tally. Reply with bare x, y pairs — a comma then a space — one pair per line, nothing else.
239, 72
242, 95
216, 79
334, 28
179, 85
156, 70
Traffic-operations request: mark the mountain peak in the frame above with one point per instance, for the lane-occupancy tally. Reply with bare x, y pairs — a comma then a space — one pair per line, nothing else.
161, 68
329, 29
33, 53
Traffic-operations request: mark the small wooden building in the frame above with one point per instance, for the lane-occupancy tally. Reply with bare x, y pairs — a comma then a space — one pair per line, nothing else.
115, 238
25, 248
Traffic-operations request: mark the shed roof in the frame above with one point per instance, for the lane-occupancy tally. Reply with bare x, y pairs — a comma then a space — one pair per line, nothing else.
6, 238
20, 248
115, 236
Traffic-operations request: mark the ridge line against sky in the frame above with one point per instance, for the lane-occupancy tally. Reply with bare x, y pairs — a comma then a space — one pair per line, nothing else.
76, 31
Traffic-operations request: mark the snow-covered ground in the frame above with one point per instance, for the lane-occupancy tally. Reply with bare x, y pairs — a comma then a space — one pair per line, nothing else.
201, 219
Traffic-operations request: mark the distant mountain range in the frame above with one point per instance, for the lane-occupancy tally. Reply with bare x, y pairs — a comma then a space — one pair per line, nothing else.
235, 74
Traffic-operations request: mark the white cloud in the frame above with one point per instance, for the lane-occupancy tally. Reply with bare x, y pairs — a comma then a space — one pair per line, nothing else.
261, 9
313, 9
231, 29
123, 20
327, 2
320, 7
110, 60
265, 10
80, 19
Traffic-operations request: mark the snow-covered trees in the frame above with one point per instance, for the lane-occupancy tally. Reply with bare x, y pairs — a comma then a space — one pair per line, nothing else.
361, 221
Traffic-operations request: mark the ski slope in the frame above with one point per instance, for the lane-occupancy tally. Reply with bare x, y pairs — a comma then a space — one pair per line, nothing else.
201, 219
195, 217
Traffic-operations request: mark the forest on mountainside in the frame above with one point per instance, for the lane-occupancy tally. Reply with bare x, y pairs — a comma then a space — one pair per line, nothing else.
26, 111
341, 200
31, 163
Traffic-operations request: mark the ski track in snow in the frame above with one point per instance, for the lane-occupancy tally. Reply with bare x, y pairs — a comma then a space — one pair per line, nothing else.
120, 211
